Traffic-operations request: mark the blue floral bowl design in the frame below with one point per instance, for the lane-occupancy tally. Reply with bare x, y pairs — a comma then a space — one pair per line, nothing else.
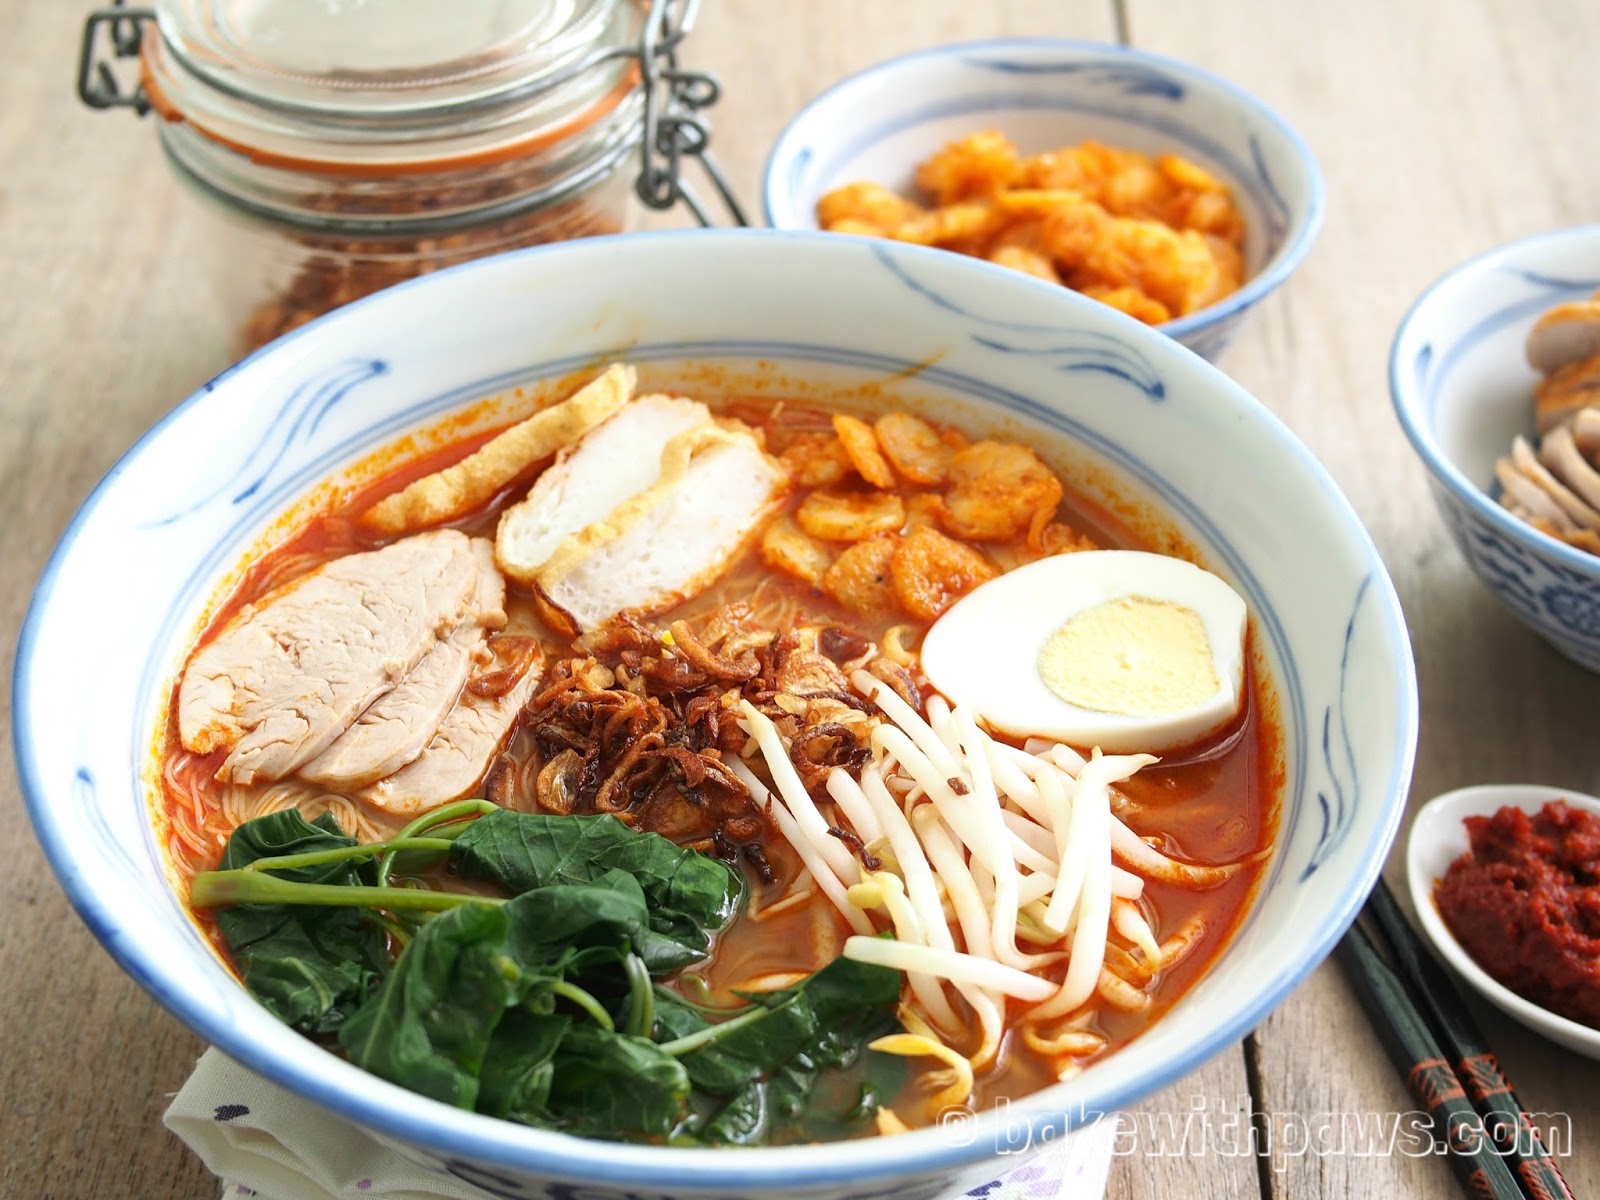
1462, 390
1045, 93
1139, 422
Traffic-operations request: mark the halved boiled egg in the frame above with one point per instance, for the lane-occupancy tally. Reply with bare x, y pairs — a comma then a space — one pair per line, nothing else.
1118, 649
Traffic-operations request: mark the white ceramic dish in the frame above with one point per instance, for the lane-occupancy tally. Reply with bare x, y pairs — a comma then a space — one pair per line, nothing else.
1149, 420
1046, 93
1463, 389
1438, 838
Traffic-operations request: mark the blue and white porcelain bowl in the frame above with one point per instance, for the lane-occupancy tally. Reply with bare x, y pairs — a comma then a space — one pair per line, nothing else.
1463, 390
1046, 93
1149, 423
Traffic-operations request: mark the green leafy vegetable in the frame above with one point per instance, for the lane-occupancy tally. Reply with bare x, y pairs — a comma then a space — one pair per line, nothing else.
771, 1057
691, 895
310, 966
516, 1079
609, 1083
428, 1027
541, 1008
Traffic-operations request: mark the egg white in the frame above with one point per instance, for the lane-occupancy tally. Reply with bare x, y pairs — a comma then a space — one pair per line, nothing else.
984, 651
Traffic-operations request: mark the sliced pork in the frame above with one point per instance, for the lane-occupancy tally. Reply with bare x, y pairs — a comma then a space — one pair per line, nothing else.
291, 673
466, 741
399, 725
671, 542
613, 463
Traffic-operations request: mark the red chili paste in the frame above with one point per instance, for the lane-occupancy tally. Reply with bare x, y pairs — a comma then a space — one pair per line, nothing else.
1525, 903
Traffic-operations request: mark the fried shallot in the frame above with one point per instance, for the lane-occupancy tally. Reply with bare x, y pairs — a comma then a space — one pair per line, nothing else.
641, 722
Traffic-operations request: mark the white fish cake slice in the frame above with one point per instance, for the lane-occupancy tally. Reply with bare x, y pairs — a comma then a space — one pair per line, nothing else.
1527, 499
615, 461
461, 749
473, 482
672, 542
1566, 392
395, 730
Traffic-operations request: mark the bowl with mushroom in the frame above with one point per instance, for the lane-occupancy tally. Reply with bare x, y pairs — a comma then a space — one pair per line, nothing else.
1495, 375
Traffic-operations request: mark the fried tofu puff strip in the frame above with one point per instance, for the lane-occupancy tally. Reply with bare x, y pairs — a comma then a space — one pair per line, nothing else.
991, 865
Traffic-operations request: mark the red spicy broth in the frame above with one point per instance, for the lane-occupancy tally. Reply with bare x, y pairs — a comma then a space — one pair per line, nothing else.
1214, 804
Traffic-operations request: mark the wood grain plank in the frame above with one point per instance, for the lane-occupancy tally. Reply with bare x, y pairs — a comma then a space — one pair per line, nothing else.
1190, 1141
101, 330
772, 59
1439, 129
1443, 128
105, 323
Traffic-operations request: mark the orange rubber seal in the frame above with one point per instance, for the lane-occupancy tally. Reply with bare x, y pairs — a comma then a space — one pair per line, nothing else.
489, 156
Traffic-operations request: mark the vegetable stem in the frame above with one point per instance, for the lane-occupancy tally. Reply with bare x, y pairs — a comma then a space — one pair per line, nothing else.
398, 931
447, 814
313, 858
701, 1038
641, 997
584, 1001
219, 889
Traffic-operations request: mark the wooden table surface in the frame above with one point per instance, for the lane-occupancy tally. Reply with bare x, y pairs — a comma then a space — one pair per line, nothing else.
1443, 128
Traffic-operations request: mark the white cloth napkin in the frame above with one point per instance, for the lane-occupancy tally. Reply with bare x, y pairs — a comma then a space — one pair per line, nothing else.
265, 1142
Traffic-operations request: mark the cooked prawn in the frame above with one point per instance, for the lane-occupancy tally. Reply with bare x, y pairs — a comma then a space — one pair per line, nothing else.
913, 448
859, 578
816, 460
861, 444
789, 548
929, 572
998, 490
850, 516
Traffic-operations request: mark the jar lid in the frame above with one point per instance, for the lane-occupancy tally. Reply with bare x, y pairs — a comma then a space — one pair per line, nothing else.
391, 85
377, 59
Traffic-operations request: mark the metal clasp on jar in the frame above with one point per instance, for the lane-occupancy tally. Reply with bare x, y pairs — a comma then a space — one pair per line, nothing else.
98, 84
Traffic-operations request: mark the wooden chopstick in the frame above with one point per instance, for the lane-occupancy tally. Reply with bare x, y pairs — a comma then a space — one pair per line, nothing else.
1411, 1047
1474, 1063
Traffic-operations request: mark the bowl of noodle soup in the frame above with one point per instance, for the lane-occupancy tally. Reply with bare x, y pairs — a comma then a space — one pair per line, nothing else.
710, 666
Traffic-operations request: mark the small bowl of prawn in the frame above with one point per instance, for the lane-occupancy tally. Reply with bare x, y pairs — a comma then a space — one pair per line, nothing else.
1044, 94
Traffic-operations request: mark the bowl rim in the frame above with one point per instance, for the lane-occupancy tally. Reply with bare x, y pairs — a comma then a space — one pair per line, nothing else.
1454, 807
1416, 415
1305, 223
411, 1118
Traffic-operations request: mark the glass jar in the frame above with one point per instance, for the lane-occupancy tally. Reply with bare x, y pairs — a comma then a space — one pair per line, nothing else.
339, 146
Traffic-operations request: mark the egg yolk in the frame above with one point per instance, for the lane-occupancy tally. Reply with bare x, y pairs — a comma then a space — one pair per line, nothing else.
1133, 656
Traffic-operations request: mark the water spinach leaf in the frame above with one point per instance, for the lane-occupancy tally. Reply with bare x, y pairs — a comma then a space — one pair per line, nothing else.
691, 896
607, 1083
770, 1060
309, 965
541, 1008
520, 1067
429, 1027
